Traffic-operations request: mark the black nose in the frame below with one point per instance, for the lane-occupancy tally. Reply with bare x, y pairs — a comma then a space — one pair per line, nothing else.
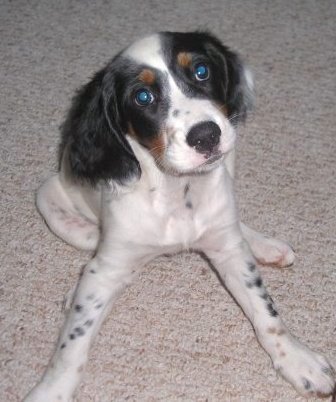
204, 136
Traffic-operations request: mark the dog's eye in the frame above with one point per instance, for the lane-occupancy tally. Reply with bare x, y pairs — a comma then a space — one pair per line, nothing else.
202, 72
143, 97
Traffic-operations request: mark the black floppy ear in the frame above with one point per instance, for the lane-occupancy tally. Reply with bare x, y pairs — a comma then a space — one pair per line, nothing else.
92, 138
236, 80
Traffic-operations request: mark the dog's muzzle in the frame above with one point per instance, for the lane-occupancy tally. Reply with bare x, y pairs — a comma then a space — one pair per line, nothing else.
204, 137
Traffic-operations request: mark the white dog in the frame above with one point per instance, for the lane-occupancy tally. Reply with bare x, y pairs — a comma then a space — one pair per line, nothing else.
147, 168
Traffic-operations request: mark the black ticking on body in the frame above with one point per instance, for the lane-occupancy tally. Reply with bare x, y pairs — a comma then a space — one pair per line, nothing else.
186, 189
256, 282
189, 205
251, 266
271, 310
78, 308
79, 331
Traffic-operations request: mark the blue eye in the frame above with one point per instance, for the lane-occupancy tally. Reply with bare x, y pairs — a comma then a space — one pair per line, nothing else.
143, 97
202, 72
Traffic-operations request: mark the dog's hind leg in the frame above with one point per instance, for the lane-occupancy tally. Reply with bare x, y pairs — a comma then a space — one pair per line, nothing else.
267, 250
67, 212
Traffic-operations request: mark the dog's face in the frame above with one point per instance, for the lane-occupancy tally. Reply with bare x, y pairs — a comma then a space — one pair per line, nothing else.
178, 95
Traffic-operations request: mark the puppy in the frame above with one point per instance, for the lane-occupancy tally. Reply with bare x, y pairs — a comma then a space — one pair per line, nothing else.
146, 168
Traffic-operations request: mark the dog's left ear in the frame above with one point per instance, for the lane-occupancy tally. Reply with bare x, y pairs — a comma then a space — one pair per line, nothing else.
237, 82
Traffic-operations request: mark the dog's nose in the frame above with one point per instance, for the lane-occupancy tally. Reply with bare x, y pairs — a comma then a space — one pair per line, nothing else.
204, 136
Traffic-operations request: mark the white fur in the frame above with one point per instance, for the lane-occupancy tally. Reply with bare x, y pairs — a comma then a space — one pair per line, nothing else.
162, 213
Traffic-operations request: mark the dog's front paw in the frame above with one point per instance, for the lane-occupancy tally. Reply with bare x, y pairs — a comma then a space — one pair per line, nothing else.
309, 372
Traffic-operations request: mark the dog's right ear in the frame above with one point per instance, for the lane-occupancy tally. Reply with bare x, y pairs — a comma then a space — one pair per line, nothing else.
92, 137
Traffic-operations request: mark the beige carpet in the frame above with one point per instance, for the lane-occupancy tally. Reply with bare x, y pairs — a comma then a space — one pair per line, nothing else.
175, 335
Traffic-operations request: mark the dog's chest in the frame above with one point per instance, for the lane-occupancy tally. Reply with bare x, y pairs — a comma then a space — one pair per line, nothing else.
180, 212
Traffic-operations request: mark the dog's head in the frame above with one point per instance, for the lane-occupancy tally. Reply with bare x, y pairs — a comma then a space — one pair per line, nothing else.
179, 95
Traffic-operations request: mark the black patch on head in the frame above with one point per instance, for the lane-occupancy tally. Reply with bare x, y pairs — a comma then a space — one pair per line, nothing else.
93, 139
146, 122
94, 146
227, 84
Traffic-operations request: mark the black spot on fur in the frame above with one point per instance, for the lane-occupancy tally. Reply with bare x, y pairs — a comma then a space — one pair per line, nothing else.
186, 189
98, 306
88, 323
328, 370
189, 205
79, 331
227, 84
249, 284
78, 308
258, 282
92, 271
251, 266
306, 383
265, 296
72, 336
176, 112
271, 310
63, 346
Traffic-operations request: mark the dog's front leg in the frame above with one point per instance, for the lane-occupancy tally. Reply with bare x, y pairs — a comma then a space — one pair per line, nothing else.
100, 284
307, 371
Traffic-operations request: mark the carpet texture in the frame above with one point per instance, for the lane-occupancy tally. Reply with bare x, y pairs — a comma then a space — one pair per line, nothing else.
175, 334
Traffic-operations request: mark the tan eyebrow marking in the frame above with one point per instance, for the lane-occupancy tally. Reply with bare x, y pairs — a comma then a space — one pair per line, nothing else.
184, 59
147, 76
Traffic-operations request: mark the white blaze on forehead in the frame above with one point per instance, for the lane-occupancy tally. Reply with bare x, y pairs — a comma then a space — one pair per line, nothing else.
147, 51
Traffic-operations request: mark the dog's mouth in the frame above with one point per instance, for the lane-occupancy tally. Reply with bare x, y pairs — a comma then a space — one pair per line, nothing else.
213, 158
